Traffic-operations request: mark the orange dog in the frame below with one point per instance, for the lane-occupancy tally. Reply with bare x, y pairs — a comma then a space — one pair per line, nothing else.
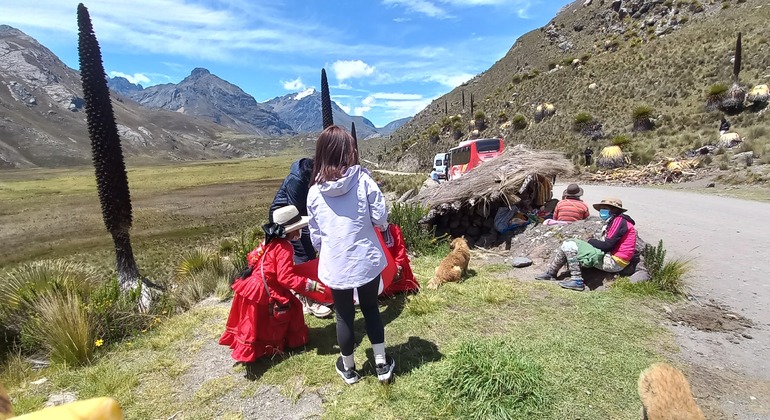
454, 265
666, 394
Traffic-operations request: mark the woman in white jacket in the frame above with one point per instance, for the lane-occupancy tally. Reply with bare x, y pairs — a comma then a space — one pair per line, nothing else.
345, 205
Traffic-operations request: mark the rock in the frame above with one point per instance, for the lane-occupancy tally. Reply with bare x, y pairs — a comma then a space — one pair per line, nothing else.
593, 86
406, 196
40, 381
61, 398
520, 262
639, 276
710, 185
747, 336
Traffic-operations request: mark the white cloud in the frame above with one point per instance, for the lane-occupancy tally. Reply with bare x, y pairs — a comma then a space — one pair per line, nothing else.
360, 110
401, 19
438, 8
344, 70
451, 80
344, 107
136, 78
294, 85
396, 96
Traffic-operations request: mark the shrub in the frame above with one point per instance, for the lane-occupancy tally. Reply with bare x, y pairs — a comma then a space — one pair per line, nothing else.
195, 287
114, 312
666, 274
246, 243
479, 116
502, 117
642, 111
418, 239
21, 287
490, 379
582, 120
64, 328
620, 141
199, 259
226, 246
433, 134
519, 122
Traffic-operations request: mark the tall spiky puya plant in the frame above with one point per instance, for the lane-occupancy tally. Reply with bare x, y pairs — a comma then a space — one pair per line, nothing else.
111, 177
326, 102
733, 100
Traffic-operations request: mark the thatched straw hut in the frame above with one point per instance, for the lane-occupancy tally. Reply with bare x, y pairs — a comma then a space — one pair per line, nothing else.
467, 206
611, 157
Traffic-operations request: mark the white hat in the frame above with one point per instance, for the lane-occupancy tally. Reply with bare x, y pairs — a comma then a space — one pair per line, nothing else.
289, 218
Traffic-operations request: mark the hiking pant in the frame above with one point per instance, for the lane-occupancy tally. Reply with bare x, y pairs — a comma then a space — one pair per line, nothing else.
346, 311
303, 248
568, 254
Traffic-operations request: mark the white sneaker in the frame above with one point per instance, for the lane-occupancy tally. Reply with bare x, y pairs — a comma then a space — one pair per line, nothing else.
318, 310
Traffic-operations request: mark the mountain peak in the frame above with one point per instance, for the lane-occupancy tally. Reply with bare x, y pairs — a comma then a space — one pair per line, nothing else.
305, 93
199, 72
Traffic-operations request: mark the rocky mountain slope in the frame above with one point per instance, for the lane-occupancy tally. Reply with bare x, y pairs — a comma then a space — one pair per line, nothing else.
42, 121
204, 95
598, 62
302, 111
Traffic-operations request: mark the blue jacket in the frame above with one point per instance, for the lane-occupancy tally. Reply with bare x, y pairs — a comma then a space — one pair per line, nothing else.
294, 189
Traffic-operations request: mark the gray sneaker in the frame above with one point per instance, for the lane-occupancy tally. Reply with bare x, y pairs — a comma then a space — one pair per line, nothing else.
385, 371
350, 376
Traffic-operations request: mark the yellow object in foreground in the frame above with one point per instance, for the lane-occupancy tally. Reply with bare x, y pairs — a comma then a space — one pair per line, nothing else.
102, 408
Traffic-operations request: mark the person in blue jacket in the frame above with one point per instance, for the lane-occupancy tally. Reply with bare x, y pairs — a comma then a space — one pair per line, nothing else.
293, 191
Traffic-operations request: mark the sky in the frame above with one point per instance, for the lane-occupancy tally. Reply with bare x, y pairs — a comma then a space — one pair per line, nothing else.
385, 59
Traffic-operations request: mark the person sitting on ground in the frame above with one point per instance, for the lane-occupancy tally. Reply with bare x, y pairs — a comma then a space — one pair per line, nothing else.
571, 208
293, 191
265, 317
434, 176
404, 281
612, 254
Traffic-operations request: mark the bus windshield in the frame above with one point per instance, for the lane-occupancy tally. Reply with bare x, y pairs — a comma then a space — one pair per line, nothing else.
488, 145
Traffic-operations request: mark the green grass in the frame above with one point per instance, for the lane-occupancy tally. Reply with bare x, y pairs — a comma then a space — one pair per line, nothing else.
567, 355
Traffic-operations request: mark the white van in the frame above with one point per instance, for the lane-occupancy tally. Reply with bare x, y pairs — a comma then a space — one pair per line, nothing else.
440, 164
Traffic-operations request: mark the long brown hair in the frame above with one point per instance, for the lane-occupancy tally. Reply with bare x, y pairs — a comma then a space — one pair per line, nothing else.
335, 152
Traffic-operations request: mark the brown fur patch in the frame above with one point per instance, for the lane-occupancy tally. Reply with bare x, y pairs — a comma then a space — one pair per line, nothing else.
6, 410
454, 265
666, 394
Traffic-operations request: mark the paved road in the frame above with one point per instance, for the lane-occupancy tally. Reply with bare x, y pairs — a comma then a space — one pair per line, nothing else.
728, 241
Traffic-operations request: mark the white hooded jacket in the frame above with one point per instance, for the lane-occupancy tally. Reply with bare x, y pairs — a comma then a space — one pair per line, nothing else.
343, 215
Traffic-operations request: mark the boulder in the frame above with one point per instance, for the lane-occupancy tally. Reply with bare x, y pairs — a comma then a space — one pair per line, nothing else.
521, 262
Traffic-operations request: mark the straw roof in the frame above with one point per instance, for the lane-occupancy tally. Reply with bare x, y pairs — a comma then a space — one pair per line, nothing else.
499, 178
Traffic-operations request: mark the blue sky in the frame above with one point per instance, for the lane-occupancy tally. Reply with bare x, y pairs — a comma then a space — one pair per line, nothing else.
385, 59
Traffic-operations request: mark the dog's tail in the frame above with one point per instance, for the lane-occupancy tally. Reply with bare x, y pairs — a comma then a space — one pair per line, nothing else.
665, 393
6, 410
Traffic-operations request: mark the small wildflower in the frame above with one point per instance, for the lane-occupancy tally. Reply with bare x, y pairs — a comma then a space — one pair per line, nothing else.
99, 342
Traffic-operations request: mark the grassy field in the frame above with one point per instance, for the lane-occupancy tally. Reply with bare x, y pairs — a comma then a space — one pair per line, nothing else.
46, 213
491, 346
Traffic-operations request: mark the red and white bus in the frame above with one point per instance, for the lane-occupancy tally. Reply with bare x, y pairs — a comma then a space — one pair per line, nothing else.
470, 153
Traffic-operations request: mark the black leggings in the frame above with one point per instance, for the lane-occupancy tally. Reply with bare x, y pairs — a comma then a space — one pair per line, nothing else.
346, 312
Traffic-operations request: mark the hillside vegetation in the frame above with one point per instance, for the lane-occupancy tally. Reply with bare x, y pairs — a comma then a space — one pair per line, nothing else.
600, 66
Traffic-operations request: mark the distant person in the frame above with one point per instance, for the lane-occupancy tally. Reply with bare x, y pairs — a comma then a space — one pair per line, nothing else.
293, 191
345, 206
434, 176
612, 254
589, 155
571, 208
265, 317
724, 126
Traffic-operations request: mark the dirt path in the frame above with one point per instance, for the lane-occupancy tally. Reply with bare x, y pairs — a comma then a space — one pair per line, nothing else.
728, 241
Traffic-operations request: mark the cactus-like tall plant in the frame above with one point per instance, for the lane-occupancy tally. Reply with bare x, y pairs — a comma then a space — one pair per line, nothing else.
462, 92
107, 156
326, 102
733, 100
471, 104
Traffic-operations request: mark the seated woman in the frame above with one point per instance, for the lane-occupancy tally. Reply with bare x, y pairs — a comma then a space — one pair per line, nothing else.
265, 317
571, 208
612, 254
404, 281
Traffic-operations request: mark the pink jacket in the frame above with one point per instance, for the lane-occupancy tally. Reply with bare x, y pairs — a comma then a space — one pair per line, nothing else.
620, 240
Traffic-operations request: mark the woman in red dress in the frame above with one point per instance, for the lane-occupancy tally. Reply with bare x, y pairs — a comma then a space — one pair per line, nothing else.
265, 317
404, 281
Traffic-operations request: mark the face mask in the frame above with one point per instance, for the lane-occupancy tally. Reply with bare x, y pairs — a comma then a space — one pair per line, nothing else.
604, 214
